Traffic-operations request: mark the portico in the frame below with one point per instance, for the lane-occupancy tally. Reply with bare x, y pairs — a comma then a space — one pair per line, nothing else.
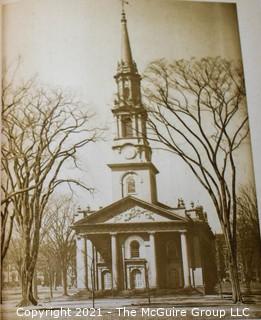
125, 256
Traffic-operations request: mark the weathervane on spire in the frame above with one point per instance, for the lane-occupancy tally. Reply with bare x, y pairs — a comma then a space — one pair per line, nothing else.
123, 2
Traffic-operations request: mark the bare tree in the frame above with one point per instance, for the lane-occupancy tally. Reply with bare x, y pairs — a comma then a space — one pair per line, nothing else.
13, 257
42, 131
48, 264
9, 103
197, 110
7, 221
248, 233
60, 235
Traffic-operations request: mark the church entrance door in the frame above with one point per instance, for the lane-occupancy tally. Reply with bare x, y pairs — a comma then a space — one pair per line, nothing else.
173, 278
106, 280
137, 281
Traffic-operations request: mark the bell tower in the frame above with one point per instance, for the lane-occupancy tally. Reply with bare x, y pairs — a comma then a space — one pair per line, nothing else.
132, 170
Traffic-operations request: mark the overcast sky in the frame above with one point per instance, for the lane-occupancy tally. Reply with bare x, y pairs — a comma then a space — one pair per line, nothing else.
75, 45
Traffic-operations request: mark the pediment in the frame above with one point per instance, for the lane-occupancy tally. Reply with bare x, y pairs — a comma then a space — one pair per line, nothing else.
131, 210
137, 214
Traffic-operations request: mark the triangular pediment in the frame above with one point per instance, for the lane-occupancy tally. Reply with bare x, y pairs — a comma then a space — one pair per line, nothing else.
131, 210
137, 214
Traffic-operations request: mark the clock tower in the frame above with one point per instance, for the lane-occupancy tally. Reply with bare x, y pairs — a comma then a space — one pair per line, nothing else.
132, 170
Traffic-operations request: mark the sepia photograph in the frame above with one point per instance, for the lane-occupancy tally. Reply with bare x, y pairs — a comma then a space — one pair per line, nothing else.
128, 181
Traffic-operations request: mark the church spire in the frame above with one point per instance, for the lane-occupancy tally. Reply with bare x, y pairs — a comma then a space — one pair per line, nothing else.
127, 76
132, 169
126, 56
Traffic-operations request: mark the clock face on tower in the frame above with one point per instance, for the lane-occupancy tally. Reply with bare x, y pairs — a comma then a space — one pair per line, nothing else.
129, 152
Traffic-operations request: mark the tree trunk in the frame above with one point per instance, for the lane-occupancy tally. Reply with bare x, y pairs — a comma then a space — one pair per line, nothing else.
93, 284
50, 284
233, 269
27, 289
1, 282
231, 244
55, 280
64, 274
35, 289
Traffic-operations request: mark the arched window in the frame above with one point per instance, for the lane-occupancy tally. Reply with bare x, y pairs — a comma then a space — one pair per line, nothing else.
126, 92
130, 184
127, 127
135, 249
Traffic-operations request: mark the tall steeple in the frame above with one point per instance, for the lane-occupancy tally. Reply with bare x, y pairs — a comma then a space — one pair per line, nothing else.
127, 77
126, 55
133, 172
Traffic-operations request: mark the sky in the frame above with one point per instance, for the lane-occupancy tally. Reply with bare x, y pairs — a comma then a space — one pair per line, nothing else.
75, 45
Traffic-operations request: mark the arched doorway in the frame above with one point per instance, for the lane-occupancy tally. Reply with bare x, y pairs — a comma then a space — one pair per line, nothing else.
137, 281
106, 280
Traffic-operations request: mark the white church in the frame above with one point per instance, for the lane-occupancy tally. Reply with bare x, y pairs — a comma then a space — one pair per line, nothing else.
137, 242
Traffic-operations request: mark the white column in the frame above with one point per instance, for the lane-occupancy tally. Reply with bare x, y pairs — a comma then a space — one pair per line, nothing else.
100, 279
80, 262
90, 270
184, 250
133, 125
125, 286
139, 126
153, 262
120, 127
114, 266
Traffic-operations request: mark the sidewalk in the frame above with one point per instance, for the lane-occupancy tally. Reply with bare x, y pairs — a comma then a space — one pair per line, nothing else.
109, 305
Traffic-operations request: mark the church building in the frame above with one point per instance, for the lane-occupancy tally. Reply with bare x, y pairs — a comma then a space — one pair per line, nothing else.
137, 242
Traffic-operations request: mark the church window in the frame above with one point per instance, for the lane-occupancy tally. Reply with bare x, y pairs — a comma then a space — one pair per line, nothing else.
135, 249
127, 127
130, 181
126, 92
